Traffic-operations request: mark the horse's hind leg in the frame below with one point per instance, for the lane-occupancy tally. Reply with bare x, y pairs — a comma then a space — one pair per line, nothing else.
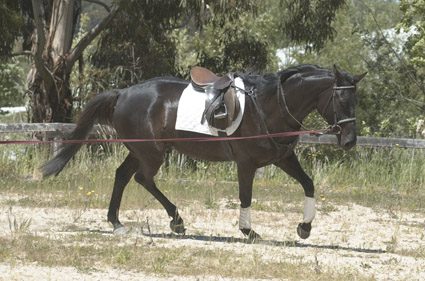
122, 176
145, 176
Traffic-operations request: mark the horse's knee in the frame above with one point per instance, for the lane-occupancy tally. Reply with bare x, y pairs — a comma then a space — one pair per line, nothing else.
308, 187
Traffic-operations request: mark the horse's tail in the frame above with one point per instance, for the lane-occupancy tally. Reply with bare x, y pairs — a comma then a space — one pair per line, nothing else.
100, 110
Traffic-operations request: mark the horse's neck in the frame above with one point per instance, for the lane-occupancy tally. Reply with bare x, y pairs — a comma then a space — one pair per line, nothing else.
305, 100
288, 112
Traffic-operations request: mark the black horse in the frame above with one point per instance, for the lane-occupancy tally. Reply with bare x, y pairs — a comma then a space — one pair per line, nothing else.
275, 103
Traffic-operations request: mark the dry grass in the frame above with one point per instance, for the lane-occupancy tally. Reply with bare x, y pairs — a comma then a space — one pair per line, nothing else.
94, 252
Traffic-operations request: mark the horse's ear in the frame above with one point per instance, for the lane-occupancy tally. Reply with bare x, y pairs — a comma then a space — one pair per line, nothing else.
338, 74
357, 78
284, 75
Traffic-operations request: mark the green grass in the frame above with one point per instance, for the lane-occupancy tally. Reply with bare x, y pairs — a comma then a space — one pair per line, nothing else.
381, 178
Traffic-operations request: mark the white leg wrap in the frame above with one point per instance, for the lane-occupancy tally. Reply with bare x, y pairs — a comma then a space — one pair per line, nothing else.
245, 218
309, 209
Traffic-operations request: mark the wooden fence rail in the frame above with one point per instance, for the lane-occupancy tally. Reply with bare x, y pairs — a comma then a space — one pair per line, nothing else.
59, 130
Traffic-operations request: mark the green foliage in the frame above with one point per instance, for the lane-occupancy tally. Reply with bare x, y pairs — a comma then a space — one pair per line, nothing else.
133, 52
143, 40
217, 12
413, 19
243, 43
11, 70
10, 24
136, 46
361, 44
310, 21
386, 13
237, 50
11, 83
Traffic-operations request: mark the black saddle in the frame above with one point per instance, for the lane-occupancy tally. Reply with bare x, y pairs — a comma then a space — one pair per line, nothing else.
221, 104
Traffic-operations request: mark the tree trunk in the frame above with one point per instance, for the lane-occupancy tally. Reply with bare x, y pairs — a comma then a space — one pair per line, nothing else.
49, 79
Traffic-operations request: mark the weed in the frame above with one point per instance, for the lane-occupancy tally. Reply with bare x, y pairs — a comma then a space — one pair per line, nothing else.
17, 226
327, 208
123, 256
85, 198
392, 244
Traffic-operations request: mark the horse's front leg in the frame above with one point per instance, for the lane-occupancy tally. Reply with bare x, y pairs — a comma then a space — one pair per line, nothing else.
293, 168
246, 175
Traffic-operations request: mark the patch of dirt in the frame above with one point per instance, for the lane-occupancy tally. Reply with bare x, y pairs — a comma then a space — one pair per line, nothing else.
368, 242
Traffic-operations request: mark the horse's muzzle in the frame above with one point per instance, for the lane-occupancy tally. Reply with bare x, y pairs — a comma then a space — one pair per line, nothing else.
348, 138
349, 144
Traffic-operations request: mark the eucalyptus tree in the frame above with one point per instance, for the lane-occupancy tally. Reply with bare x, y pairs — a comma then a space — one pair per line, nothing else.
54, 54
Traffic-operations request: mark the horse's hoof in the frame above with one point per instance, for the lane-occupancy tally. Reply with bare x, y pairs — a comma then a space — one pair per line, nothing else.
177, 226
303, 230
120, 231
251, 234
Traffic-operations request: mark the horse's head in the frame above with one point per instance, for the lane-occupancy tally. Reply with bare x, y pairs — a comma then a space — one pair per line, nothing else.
338, 104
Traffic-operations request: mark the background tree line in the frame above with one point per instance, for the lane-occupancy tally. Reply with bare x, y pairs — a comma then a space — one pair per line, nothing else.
56, 54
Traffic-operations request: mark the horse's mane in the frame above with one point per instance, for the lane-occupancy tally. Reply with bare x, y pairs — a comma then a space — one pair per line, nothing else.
304, 70
266, 82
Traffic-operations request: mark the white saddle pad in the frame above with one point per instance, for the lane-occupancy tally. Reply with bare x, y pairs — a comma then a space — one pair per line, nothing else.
192, 106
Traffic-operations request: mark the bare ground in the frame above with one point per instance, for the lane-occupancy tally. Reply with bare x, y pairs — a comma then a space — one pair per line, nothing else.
365, 242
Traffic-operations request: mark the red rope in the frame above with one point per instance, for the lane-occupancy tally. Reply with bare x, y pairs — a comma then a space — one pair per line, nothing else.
194, 139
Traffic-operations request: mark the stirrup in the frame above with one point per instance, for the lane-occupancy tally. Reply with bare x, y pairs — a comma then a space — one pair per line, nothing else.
221, 115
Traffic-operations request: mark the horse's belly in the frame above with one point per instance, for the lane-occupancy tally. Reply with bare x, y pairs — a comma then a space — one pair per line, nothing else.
205, 150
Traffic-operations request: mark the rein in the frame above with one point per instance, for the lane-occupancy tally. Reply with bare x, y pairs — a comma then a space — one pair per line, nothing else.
194, 139
282, 95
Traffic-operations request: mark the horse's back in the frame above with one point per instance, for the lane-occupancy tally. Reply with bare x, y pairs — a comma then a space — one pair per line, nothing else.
145, 110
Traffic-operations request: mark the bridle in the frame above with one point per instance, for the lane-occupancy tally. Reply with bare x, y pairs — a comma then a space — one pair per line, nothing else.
336, 127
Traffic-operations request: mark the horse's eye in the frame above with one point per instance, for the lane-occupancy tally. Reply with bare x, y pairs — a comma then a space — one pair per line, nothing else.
343, 96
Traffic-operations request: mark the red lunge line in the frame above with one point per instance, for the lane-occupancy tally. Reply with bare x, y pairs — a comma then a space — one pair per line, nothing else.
195, 139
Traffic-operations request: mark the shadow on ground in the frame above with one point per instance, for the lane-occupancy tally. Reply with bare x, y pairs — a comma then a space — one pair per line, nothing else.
276, 243
229, 239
